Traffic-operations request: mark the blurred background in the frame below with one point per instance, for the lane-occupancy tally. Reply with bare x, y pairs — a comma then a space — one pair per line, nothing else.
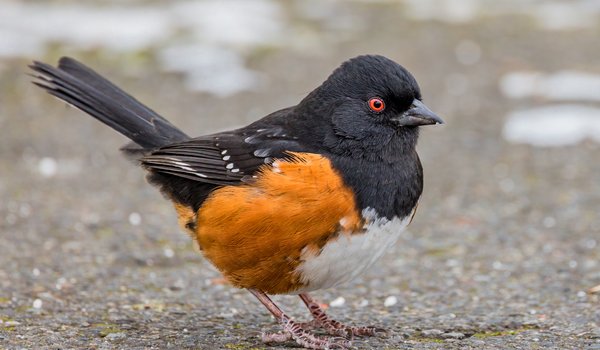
502, 253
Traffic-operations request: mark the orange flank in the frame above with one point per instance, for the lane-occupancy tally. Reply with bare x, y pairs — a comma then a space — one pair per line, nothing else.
255, 233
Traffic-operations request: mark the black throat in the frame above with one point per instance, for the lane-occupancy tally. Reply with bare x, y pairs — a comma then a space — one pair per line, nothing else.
392, 188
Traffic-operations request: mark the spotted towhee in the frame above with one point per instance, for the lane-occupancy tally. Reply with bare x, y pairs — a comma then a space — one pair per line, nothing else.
305, 198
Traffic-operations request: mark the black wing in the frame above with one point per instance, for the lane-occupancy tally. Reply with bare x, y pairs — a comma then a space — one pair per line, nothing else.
227, 158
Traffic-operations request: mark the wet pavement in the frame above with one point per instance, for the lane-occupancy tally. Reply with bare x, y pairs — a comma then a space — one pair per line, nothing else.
503, 249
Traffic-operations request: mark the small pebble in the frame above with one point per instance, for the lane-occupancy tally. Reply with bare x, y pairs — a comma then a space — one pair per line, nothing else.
135, 219
390, 301
168, 252
47, 167
60, 283
337, 302
115, 336
178, 285
37, 304
431, 333
453, 335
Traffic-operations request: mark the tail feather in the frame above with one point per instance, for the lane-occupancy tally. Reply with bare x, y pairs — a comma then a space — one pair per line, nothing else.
85, 89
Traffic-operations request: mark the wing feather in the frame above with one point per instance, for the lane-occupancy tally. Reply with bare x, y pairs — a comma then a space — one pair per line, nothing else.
222, 159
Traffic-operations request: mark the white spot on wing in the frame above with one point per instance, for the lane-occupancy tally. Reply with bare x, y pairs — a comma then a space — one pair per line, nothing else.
185, 166
262, 152
226, 158
229, 166
276, 168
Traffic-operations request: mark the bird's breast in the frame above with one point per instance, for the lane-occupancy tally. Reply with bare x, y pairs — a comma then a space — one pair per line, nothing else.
346, 257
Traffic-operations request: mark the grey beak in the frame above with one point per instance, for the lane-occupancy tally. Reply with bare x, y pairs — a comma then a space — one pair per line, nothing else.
418, 114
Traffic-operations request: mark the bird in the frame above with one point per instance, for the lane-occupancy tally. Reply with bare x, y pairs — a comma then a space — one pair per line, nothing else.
305, 198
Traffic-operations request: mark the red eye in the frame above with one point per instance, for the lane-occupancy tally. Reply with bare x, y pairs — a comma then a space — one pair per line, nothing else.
376, 104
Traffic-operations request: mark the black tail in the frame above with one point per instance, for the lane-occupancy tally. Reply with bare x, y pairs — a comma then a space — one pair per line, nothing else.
85, 89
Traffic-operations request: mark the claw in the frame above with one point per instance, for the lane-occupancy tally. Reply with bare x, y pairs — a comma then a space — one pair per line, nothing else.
275, 337
293, 331
334, 327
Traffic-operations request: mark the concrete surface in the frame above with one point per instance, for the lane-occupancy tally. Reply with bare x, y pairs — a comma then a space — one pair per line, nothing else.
501, 253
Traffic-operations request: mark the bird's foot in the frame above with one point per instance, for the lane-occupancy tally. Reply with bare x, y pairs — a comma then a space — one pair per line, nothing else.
333, 327
295, 331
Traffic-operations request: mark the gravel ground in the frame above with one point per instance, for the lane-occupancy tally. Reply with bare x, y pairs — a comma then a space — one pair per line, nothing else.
500, 255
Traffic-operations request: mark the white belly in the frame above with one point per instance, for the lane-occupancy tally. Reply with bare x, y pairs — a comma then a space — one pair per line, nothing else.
344, 258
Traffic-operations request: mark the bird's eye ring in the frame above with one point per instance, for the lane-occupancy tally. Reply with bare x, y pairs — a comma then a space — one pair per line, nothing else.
376, 104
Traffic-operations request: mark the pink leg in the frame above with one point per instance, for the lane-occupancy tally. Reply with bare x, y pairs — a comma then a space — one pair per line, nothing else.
334, 327
293, 330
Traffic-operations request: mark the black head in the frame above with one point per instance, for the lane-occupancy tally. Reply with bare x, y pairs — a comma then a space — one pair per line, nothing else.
374, 106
